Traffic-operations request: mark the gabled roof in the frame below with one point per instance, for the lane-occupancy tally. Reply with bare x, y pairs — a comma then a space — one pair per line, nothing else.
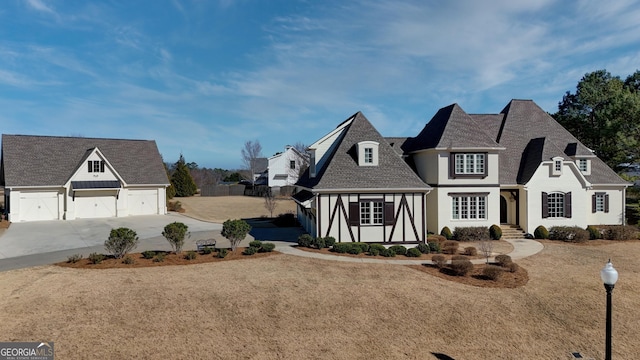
530, 136
51, 160
451, 128
341, 170
262, 164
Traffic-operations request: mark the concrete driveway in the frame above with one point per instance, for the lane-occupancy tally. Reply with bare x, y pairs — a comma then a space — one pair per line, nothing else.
45, 242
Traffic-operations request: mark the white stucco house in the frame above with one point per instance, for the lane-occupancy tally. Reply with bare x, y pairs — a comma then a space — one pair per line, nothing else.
65, 178
285, 167
518, 167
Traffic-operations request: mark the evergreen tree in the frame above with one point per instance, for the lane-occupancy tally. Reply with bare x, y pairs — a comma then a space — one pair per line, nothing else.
182, 180
171, 190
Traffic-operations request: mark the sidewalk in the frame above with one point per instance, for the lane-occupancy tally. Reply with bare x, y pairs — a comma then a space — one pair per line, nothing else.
522, 248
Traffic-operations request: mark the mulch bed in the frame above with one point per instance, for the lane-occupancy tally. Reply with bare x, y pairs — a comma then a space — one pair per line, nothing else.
169, 260
475, 278
424, 257
4, 224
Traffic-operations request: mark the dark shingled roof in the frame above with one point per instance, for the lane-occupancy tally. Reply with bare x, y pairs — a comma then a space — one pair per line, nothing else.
341, 171
451, 127
52, 160
530, 136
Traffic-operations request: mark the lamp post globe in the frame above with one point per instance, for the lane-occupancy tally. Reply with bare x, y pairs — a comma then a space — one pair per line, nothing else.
609, 276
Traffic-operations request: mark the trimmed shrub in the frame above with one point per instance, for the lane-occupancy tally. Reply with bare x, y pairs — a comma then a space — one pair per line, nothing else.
235, 231
378, 247
373, 252
434, 247
512, 267
594, 232
569, 234
256, 244
222, 253
362, 245
250, 251
388, 253
423, 248
495, 232
470, 251
329, 241
148, 254
471, 233
121, 241
305, 240
175, 234
436, 239
398, 249
190, 255
95, 258
492, 272
503, 260
450, 247
341, 248
128, 260
207, 250
319, 243
413, 252
439, 260
541, 232
461, 267
621, 232
459, 257
355, 250
446, 232
267, 247
74, 258
159, 257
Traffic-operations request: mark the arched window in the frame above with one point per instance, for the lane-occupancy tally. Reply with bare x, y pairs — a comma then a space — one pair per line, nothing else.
556, 205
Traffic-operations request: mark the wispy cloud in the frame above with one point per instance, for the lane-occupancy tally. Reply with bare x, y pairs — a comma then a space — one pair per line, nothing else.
40, 5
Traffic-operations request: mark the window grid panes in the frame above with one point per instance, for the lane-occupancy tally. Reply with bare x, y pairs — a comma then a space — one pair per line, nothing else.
368, 155
599, 202
469, 207
292, 164
371, 213
469, 163
558, 165
555, 202
377, 213
365, 213
582, 165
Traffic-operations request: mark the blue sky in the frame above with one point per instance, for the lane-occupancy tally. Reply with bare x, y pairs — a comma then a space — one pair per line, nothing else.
202, 77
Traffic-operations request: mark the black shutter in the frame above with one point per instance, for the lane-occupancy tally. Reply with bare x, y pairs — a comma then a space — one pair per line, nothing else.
354, 213
452, 165
545, 205
593, 203
606, 203
567, 205
101, 166
388, 213
90, 163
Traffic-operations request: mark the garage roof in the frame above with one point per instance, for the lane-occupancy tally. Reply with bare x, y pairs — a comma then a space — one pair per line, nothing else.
28, 160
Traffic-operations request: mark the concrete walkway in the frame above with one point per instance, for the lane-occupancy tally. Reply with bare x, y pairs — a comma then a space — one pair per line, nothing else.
522, 248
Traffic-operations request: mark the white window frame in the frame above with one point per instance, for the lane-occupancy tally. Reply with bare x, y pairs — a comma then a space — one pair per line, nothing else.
470, 163
583, 165
555, 204
368, 155
371, 212
468, 207
600, 202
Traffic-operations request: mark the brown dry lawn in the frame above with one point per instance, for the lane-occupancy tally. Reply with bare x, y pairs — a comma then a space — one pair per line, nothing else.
287, 307
220, 209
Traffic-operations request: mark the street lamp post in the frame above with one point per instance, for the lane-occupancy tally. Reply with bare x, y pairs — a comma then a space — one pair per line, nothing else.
609, 276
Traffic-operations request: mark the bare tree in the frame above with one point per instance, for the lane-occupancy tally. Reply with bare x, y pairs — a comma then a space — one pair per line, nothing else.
270, 202
251, 152
486, 247
298, 161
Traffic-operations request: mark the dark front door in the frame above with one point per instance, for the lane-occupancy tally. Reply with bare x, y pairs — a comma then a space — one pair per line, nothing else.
503, 210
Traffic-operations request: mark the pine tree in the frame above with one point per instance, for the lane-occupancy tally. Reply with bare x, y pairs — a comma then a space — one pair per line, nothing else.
182, 180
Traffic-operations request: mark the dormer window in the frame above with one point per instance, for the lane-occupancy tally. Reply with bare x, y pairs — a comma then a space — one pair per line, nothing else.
556, 169
584, 166
367, 153
95, 166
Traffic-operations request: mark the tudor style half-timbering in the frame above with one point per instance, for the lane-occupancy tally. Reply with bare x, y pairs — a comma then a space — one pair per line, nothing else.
517, 167
58, 178
357, 188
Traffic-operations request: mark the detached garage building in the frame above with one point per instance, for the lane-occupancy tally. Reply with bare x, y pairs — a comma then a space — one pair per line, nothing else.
65, 178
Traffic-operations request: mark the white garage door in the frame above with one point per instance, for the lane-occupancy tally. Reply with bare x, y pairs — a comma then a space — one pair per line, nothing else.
143, 202
39, 206
94, 205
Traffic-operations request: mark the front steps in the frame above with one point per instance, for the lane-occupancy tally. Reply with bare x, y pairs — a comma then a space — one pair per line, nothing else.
511, 232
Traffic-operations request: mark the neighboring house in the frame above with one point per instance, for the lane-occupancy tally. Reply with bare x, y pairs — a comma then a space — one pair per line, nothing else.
517, 167
260, 171
285, 168
65, 178
358, 188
